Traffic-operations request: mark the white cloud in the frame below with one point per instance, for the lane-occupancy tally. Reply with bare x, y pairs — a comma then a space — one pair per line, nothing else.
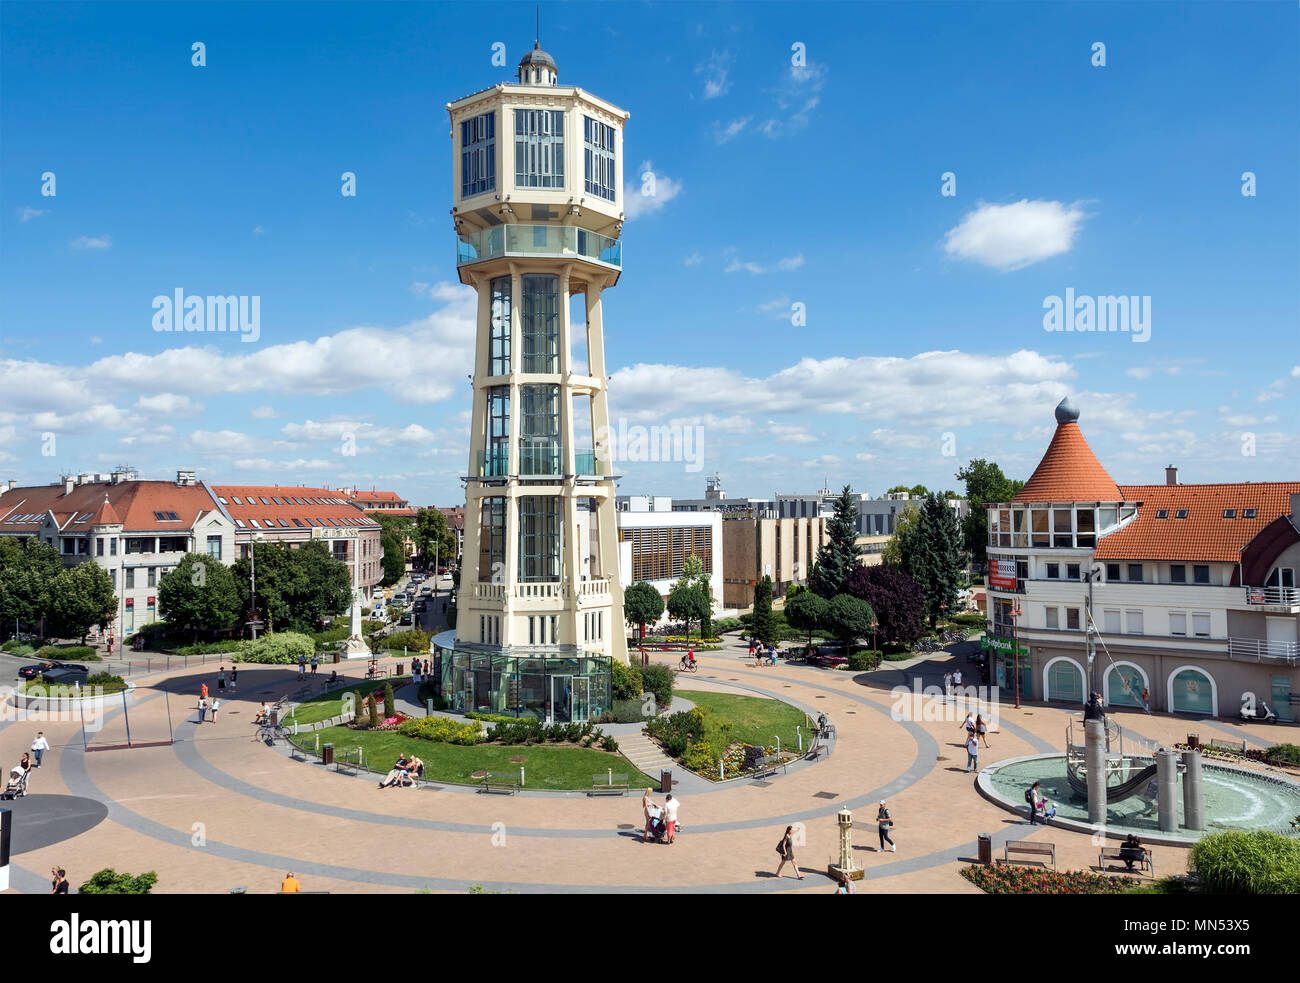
1010, 237
715, 72
692, 260
91, 242
300, 464
1138, 372
722, 133
26, 213
778, 306
788, 433
258, 232
795, 99
785, 265
645, 197
263, 413
168, 404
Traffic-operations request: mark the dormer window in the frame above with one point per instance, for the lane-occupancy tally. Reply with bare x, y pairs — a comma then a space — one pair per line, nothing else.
1180, 514
1230, 513
1162, 513
1249, 513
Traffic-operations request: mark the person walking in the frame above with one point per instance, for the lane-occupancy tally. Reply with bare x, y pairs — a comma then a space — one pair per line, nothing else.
1146, 700
39, 746
203, 708
786, 849
214, 707
956, 681
969, 724
203, 691
234, 677
315, 663
670, 816
302, 665
221, 680
982, 729
947, 685
972, 752
884, 823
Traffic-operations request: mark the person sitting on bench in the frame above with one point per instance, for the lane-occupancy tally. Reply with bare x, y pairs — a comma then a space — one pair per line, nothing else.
263, 715
1131, 851
334, 677
414, 766
398, 773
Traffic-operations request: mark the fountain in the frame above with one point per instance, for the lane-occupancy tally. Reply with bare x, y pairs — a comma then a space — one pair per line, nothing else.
1099, 783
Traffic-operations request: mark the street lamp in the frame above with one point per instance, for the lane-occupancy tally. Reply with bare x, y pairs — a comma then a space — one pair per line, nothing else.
252, 576
1015, 646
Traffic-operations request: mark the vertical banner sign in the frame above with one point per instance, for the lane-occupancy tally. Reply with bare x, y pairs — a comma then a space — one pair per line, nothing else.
1002, 574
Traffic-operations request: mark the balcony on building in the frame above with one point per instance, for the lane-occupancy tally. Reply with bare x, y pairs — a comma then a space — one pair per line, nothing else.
557, 241
1280, 600
1262, 650
538, 460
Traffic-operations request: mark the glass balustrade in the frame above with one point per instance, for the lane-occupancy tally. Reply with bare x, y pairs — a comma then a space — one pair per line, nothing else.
538, 240
546, 459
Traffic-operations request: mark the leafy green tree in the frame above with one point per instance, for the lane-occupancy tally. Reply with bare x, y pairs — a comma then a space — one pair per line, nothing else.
839, 555
396, 531
895, 490
807, 612
109, 881
297, 589
688, 603
937, 561
693, 573
79, 598
199, 595
432, 535
762, 622
792, 589
642, 605
918, 491
849, 617
27, 574
985, 483
901, 545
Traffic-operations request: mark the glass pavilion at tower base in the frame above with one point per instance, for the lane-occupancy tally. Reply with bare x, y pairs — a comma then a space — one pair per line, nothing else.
555, 687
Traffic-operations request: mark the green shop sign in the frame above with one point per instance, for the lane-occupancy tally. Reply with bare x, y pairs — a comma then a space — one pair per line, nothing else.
999, 644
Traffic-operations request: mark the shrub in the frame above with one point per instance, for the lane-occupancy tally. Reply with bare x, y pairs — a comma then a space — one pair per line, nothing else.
442, 729
1288, 753
675, 731
280, 648
1237, 862
623, 712
626, 681
414, 640
389, 705
373, 700
109, 881
20, 649
211, 648
1030, 880
490, 718
69, 653
700, 757
425, 693
607, 742
658, 679
864, 660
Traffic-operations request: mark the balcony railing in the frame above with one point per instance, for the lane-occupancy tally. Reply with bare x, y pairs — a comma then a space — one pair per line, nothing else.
1259, 650
537, 460
1272, 595
586, 462
538, 240
494, 462
541, 459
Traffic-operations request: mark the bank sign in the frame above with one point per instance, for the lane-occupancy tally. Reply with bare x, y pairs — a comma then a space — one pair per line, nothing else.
996, 643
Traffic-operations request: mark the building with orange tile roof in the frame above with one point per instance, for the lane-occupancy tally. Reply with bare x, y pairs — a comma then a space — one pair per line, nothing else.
1186, 593
294, 514
135, 529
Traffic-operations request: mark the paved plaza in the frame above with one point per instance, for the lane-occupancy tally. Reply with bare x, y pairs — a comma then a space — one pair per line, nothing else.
219, 810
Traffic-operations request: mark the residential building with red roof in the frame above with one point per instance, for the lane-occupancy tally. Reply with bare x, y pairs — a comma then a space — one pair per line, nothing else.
1186, 593
136, 529
295, 515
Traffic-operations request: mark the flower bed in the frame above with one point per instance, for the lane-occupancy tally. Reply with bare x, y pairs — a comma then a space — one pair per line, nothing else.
995, 879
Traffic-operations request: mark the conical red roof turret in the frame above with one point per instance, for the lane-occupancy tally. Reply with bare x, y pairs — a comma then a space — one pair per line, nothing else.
1069, 470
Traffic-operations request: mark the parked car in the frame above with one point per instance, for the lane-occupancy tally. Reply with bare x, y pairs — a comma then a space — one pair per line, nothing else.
399, 598
827, 661
39, 668
406, 619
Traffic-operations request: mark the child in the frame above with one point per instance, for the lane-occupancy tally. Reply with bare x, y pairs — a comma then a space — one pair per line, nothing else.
1049, 811
216, 705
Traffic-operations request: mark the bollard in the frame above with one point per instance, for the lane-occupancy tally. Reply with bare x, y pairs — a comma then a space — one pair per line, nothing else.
799, 733
1193, 804
521, 776
1167, 783
1095, 761
722, 770
611, 775
778, 744
429, 707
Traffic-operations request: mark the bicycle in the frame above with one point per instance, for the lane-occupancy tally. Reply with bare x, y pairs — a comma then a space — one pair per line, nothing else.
688, 666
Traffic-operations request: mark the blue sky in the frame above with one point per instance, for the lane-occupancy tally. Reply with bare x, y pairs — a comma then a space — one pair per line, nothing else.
777, 184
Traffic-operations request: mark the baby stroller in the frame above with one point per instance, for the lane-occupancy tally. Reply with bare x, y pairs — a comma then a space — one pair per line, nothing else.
17, 785
658, 828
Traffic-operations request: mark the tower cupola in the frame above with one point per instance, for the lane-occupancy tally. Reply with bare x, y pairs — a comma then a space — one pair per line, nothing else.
537, 67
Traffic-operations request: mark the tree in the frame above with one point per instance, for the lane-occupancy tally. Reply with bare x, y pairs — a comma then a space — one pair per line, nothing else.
900, 545
896, 600
109, 881
839, 555
807, 612
297, 589
918, 491
792, 589
432, 536
642, 605
198, 595
849, 617
937, 560
693, 572
895, 490
985, 483
79, 598
762, 624
688, 603
26, 575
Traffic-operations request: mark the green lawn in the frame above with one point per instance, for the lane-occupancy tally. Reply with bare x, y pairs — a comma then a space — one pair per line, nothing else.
330, 703
545, 767
755, 720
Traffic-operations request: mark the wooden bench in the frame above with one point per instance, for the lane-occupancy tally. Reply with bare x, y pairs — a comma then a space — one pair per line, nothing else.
1030, 848
296, 753
609, 784
500, 781
1109, 853
818, 747
767, 765
344, 762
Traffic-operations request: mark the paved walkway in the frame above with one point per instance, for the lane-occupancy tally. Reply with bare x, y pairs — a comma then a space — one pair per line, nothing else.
217, 809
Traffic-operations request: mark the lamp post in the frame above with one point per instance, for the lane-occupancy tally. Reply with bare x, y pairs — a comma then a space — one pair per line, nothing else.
252, 591
1015, 646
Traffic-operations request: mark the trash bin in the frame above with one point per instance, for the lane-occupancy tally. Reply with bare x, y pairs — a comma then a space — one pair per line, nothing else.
399, 669
274, 721
666, 780
327, 754
1193, 740
986, 848
338, 657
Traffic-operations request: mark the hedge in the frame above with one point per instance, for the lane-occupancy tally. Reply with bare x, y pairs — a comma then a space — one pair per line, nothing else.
282, 648
442, 729
1256, 862
69, 653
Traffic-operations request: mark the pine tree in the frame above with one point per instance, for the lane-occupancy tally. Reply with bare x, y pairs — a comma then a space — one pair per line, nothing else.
763, 624
936, 560
837, 558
